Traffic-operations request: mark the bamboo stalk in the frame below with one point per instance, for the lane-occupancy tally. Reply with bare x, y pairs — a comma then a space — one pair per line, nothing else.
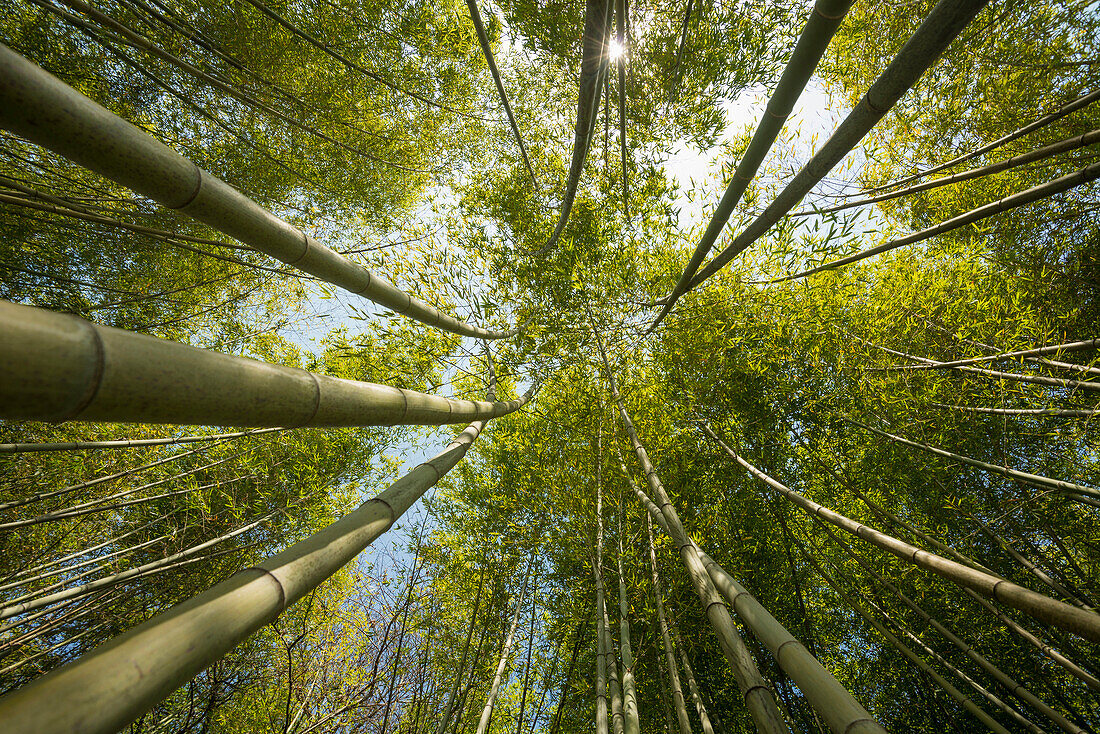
603, 701
597, 23
38, 602
983, 662
1038, 154
494, 687
448, 708
1037, 351
756, 694
820, 27
840, 710
56, 367
615, 689
620, 32
106, 478
126, 443
1066, 616
997, 374
942, 24
631, 723
1042, 191
483, 39
1080, 103
1071, 667
139, 668
675, 689
960, 674
1034, 479
693, 687
91, 136
1057, 412
955, 693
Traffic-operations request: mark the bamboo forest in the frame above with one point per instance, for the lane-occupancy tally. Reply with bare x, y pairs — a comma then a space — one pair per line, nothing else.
549, 366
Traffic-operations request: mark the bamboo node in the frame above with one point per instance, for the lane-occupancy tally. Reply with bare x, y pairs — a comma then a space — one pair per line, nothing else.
97, 372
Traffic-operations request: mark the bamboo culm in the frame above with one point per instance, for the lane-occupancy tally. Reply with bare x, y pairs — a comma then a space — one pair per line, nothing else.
990, 723
502, 664
756, 694
95, 138
487, 50
675, 689
631, 723
942, 24
126, 443
597, 25
841, 712
689, 676
144, 665
820, 27
1033, 479
1086, 175
996, 673
1066, 616
1062, 146
57, 367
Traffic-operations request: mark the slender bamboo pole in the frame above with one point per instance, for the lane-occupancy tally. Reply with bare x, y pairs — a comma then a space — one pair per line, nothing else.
756, 694
621, 7
19, 606
1047, 151
1054, 412
631, 723
983, 662
998, 374
604, 707
842, 713
942, 24
984, 692
955, 693
1086, 175
313, 41
37, 497
597, 24
675, 690
448, 708
1066, 616
1073, 668
139, 668
56, 367
527, 665
1080, 103
127, 443
1034, 479
91, 136
820, 27
689, 676
615, 689
487, 49
502, 664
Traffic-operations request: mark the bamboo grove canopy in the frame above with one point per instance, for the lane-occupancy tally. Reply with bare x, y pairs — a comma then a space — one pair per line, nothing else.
760, 339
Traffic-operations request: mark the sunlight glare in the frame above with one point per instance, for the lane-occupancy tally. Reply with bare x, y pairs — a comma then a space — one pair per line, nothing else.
616, 50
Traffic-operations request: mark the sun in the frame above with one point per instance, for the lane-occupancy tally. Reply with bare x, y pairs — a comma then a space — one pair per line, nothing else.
616, 50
